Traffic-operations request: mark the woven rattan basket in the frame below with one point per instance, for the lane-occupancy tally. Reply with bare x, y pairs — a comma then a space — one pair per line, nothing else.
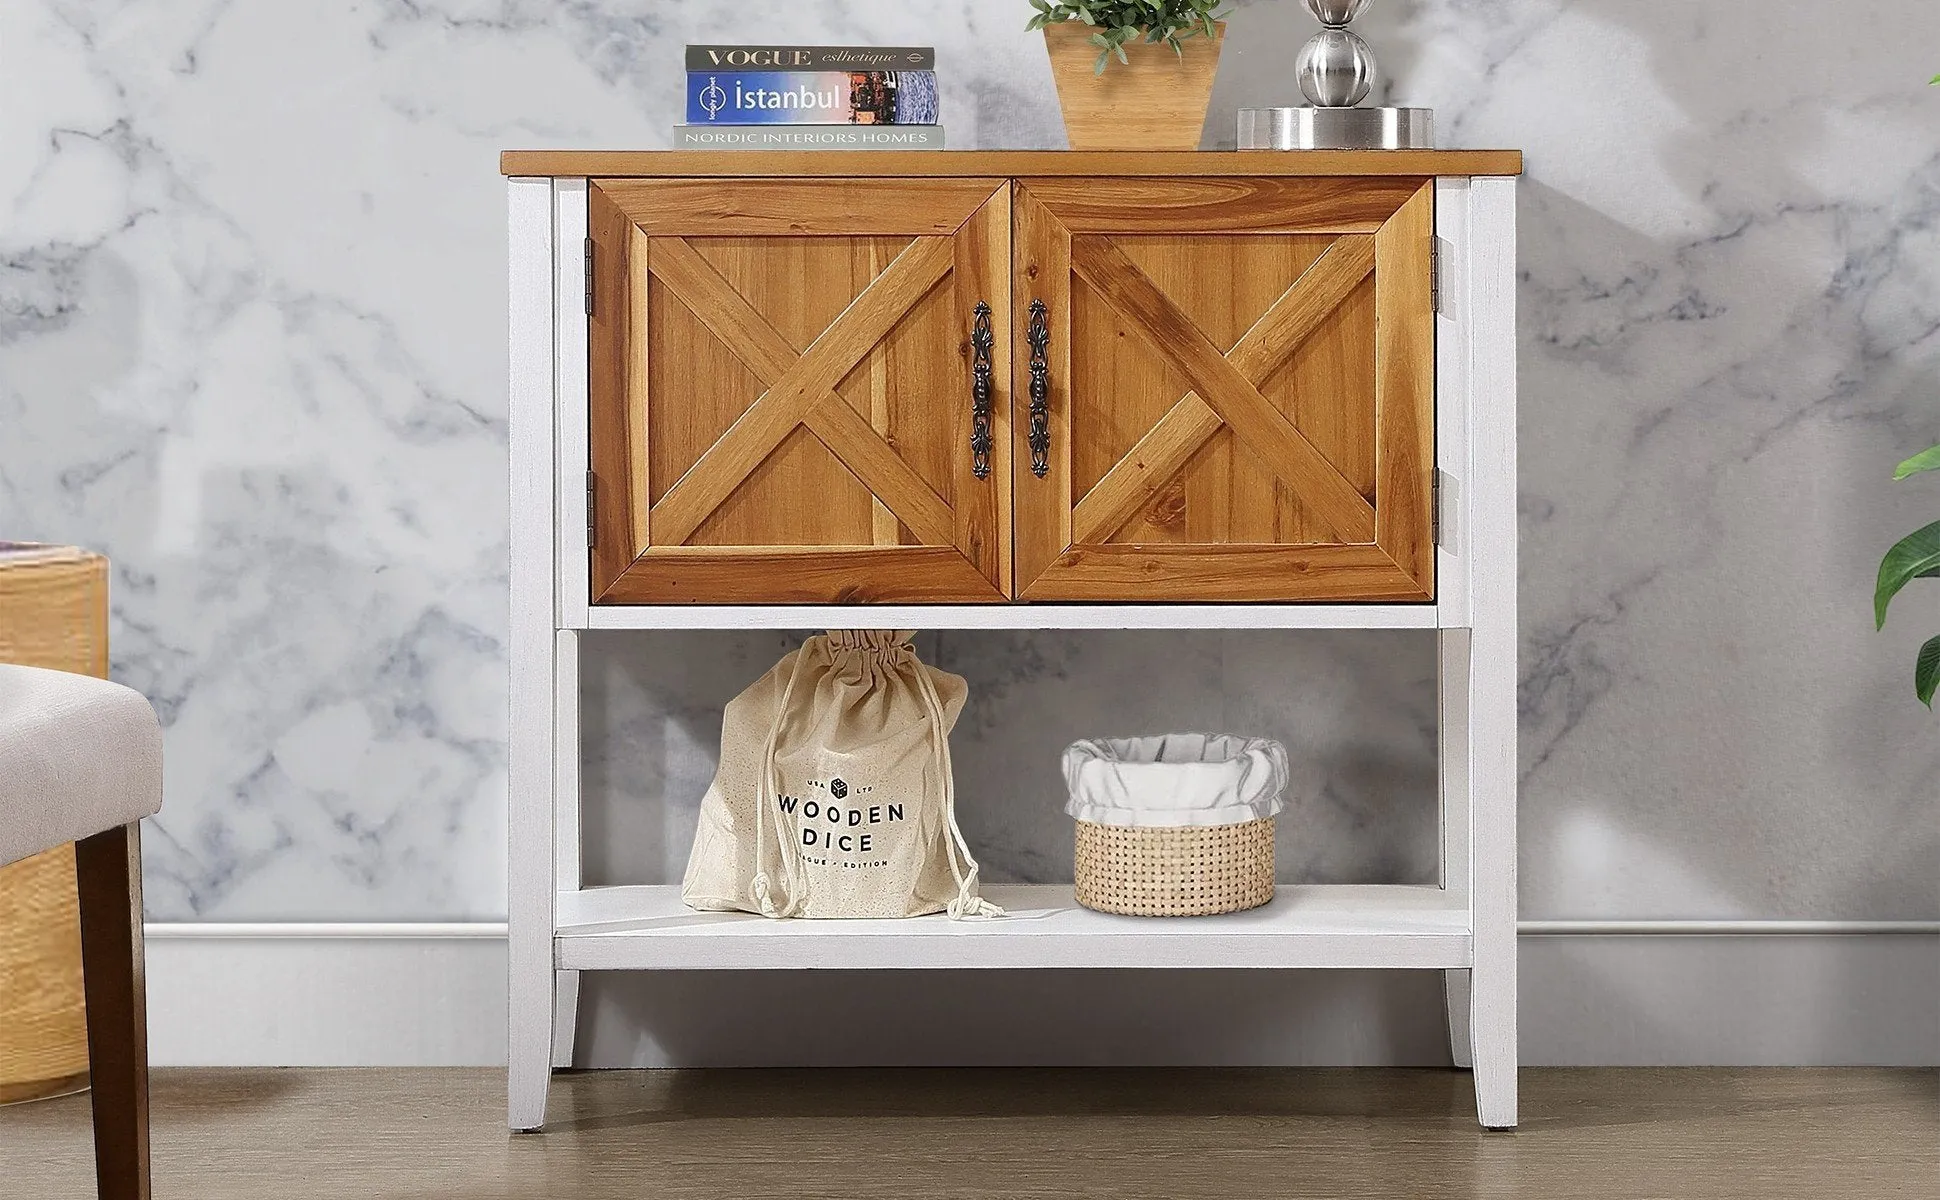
1193, 871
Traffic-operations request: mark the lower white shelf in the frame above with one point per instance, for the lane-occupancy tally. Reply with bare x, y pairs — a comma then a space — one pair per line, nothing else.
647, 928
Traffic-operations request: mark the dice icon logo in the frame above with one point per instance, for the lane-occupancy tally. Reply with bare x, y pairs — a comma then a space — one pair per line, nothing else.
838, 789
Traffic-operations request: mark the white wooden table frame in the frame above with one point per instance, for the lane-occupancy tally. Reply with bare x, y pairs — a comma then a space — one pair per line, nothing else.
1465, 926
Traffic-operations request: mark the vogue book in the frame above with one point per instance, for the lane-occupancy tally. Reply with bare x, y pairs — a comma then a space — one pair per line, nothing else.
811, 58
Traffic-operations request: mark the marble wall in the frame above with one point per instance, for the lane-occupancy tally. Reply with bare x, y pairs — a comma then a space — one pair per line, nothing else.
251, 345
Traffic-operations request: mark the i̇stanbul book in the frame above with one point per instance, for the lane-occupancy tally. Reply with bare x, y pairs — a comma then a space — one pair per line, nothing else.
812, 98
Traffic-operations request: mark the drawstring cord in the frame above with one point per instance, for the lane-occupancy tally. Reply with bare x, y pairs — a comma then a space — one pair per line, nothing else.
767, 790
966, 903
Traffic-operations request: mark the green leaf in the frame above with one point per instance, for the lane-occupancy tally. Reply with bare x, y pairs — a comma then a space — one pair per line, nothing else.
1925, 460
1917, 554
1926, 671
1934, 82
1120, 21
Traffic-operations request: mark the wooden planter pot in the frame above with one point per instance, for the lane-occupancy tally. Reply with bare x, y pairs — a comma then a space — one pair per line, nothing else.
1157, 101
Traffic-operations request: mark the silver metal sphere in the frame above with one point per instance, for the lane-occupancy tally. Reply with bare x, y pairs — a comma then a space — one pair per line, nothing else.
1335, 69
1336, 13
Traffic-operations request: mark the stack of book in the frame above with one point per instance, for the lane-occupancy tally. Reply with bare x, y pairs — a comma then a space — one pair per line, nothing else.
811, 97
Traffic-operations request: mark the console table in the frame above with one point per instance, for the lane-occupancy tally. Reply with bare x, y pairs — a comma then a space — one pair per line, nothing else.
1003, 390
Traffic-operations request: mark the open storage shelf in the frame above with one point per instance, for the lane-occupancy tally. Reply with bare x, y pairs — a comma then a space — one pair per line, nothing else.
642, 928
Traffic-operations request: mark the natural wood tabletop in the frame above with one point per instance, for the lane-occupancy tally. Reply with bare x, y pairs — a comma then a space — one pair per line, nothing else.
1004, 163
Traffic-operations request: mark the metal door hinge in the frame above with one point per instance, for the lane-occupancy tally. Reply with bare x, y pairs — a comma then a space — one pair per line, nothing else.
1441, 496
589, 277
592, 527
1434, 508
1436, 254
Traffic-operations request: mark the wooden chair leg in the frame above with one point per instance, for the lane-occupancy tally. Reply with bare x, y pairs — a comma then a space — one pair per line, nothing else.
108, 870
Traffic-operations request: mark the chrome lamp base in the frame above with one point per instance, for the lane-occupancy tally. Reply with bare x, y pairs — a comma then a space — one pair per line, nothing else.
1312, 128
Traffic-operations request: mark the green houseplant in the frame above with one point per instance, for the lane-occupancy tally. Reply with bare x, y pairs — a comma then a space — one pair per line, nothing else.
1119, 22
1915, 556
1154, 96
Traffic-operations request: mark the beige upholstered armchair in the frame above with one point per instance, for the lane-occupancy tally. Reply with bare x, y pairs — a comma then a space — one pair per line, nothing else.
81, 761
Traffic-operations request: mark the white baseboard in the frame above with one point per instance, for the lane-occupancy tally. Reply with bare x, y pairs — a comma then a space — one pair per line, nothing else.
1593, 993
326, 995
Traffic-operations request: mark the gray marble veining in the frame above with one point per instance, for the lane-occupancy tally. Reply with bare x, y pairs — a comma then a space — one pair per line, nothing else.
251, 345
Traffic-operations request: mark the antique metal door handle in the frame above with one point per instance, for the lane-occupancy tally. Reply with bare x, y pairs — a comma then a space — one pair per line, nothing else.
982, 341
1040, 433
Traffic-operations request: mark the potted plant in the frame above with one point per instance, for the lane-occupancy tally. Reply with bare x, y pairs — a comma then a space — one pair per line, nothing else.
1133, 74
1915, 556
1912, 557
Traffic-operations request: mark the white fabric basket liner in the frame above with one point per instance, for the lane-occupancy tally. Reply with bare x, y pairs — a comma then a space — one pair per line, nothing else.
1175, 780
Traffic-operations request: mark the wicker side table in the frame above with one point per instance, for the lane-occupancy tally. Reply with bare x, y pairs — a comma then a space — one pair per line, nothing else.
53, 613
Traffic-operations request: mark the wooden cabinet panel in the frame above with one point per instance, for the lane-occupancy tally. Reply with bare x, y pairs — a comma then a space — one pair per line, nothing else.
1230, 385
783, 390
1237, 387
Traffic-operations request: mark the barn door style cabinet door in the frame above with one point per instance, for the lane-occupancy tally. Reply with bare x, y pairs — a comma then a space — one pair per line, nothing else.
1029, 390
1232, 389
800, 390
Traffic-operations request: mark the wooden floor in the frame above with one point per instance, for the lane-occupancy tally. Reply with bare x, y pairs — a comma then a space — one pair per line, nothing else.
406, 1135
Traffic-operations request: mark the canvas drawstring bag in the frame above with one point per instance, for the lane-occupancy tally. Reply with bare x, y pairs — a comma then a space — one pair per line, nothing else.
835, 795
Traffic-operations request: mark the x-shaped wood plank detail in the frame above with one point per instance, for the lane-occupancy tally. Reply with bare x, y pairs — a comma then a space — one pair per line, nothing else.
800, 389
1225, 387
